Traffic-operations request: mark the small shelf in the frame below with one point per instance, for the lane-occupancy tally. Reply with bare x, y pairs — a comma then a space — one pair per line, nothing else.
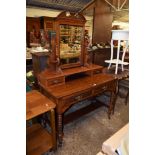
38, 140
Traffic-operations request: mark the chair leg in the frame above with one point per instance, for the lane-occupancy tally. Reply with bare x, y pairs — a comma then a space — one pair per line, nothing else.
109, 65
118, 51
122, 68
116, 69
112, 104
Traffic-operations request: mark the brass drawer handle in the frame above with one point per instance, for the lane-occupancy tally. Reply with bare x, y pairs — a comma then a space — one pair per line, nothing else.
78, 98
55, 81
97, 71
104, 87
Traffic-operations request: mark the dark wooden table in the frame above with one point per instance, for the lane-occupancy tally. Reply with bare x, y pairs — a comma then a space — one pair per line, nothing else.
38, 139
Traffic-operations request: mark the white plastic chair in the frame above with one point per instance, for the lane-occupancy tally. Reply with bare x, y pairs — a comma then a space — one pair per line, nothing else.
120, 35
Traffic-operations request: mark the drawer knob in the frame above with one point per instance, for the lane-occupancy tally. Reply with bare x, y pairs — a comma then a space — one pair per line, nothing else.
104, 87
97, 71
55, 81
78, 98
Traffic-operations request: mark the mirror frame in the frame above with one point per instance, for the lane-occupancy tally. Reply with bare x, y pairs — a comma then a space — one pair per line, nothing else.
72, 20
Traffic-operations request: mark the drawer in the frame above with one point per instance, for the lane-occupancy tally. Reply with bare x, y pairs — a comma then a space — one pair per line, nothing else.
55, 81
77, 97
102, 88
110, 86
97, 71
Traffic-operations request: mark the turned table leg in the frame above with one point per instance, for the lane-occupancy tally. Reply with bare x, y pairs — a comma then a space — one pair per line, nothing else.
60, 129
53, 129
112, 104
113, 101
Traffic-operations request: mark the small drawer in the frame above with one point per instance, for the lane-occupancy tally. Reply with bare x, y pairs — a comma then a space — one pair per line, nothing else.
55, 81
97, 71
76, 98
86, 94
101, 89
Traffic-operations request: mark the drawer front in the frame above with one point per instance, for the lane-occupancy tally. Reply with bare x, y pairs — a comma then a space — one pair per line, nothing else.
105, 87
97, 71
55, 81
76, 98
100, 89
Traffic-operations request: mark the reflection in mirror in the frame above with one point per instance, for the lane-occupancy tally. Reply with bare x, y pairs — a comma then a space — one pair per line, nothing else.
70, 44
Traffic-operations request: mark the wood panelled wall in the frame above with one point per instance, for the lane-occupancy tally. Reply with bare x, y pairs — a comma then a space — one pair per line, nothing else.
102, 22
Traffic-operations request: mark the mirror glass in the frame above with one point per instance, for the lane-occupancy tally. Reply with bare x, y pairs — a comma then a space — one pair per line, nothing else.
70, 44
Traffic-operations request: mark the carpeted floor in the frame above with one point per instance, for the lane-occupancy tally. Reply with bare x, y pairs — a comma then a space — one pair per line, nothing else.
85, 135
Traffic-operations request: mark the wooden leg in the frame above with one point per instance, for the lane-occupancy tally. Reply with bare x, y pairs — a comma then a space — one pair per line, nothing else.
60, 129
114, 96
112, 104
53, 129
117, 87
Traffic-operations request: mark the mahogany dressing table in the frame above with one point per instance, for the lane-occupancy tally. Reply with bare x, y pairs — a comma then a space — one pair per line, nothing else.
68, 82
65, 89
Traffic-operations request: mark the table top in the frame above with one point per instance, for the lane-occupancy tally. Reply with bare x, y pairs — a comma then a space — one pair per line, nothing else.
78, 85
37, 104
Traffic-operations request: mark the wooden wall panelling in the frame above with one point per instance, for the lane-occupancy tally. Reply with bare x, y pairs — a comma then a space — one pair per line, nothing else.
32, 24
47, 23
102, 22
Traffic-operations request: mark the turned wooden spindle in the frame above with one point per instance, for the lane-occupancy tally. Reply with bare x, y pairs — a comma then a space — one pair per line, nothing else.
53, 61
